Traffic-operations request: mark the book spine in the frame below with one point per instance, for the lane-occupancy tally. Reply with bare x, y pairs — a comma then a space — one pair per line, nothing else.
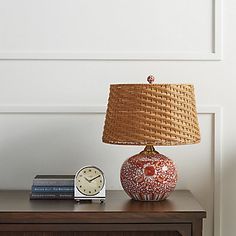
51, 196
50, 182
52, 189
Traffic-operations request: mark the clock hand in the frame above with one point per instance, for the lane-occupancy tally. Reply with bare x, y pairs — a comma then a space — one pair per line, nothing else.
94, 178
87, 179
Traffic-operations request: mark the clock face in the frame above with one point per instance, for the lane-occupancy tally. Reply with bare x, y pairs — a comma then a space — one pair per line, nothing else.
90, 180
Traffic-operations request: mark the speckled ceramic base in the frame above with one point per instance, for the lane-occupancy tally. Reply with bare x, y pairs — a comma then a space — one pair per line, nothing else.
148, 176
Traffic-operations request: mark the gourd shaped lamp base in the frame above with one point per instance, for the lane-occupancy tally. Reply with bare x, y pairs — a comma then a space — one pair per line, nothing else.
148, 176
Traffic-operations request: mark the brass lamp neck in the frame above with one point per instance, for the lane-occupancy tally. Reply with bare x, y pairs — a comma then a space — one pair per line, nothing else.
149, 149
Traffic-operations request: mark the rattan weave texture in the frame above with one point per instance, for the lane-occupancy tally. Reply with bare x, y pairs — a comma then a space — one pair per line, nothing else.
155, 114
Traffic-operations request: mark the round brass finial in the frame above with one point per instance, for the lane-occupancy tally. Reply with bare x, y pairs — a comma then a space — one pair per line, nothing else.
150, 79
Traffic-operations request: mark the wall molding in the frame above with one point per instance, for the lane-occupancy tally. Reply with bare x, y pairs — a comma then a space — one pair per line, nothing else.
215, 54
215, 111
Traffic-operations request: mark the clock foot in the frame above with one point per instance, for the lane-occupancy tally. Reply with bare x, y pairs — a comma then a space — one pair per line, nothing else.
84, 201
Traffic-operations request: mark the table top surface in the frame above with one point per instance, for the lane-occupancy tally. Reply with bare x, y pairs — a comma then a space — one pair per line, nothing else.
181, 201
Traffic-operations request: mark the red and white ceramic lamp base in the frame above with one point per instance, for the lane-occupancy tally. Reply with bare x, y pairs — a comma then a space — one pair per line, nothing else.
148, 176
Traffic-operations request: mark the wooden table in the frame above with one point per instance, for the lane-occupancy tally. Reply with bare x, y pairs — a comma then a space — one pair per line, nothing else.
180, 214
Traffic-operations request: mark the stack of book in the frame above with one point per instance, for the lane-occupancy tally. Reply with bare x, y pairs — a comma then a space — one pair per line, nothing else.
52, 187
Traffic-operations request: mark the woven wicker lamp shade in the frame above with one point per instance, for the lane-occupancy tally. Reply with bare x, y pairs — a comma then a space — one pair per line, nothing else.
155, 114
150, 115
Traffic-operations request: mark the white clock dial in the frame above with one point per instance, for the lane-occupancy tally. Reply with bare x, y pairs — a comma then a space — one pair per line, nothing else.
90, 180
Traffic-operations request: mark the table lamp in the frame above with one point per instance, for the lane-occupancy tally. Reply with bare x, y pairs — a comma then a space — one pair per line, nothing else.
150, 115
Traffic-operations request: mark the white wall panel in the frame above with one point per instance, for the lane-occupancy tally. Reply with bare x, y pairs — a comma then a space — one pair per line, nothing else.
105, 29
60, 140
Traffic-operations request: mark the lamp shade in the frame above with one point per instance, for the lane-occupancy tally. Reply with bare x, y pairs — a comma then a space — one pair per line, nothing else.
151, 114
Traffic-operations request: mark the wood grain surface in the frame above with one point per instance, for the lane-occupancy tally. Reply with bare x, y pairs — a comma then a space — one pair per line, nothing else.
180, 214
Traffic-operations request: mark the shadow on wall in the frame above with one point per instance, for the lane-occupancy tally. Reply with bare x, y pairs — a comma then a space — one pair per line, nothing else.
228, 190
